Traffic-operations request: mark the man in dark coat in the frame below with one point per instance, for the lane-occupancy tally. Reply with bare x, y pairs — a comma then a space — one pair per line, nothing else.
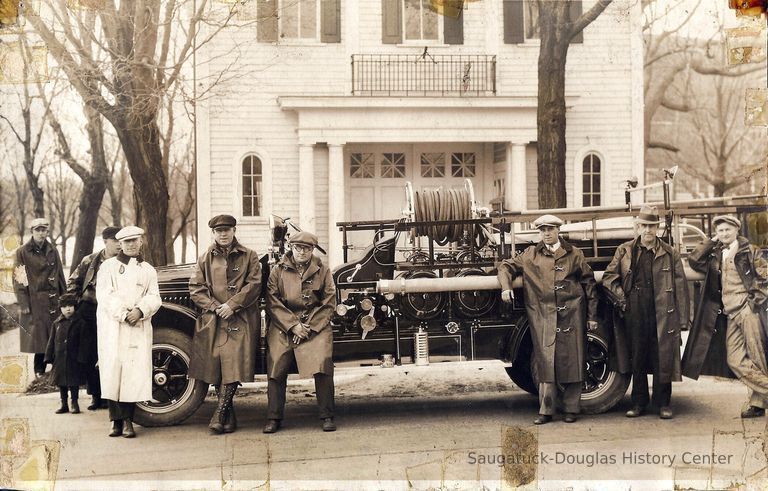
62, 353
735, 294
226, 286
301, 298
82, 283
646, 281
38, 279
560, 298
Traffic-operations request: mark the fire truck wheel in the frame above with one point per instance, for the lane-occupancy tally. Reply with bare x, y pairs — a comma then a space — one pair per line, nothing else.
521, 371
602, 388
174, 396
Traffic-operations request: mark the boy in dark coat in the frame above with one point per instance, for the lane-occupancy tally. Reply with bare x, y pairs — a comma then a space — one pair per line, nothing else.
62, 352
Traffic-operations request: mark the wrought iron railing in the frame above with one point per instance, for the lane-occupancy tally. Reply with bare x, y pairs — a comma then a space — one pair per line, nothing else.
423, 75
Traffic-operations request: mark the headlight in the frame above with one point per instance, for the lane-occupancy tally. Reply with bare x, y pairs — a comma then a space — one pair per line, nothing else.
366, 303
342, 309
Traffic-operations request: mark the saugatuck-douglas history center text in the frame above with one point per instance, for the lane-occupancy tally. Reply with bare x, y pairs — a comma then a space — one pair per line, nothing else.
598, 458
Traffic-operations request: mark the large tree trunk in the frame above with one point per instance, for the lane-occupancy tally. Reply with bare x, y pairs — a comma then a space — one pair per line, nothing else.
141, 144
90, 203
551, 109
94, 187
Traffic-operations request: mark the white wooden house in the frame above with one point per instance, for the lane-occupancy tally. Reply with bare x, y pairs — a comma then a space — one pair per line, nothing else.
346, 100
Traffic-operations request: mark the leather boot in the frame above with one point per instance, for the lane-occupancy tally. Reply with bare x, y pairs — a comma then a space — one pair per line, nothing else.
128, 431
75, 407
64, 408
228, 393
230, 425
96, 403
216, 424
117, 428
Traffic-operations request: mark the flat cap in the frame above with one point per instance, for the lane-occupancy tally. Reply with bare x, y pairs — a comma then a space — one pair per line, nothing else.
222, 221
109, 232
648, 215
129, 232
39, 222
304, 238
547, 221
731, 220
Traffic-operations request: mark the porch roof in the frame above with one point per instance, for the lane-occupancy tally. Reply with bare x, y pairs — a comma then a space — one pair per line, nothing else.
343, 119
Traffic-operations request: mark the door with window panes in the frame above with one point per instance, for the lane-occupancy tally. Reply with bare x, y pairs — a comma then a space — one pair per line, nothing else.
376, 177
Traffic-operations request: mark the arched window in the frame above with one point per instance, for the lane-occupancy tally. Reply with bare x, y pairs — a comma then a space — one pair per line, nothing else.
252, 190
590, 175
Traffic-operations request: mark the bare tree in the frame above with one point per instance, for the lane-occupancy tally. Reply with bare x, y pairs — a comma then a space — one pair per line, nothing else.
60, 187
671, 60
125, 77
715, 145
120, 190
28, 131
556, 31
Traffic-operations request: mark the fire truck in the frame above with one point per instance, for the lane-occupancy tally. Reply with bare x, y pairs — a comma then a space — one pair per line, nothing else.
424, 290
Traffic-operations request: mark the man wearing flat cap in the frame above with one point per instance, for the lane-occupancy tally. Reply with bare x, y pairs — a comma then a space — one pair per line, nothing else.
301, 298
728, 337
226, 287
38, 280
646, 282
82, 283
127, 296
560, 298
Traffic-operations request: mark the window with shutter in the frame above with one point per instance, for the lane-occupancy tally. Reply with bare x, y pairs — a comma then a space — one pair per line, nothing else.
299, 20
521, 20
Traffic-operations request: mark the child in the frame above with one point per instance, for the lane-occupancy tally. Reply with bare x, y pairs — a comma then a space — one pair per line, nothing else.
62, 350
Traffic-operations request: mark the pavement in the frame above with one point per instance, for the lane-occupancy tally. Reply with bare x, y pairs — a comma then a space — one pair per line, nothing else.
442, 426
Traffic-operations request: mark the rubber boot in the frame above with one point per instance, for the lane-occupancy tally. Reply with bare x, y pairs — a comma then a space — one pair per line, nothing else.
216, 425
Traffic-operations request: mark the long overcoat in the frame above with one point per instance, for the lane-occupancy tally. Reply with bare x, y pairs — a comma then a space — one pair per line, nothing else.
292, 299
670, 294
705, 352
62, 352
125, 351
234, 279
82, 282
38, 280
560, 294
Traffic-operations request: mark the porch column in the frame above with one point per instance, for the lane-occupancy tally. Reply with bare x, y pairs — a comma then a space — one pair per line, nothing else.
306, 188
336, 202
514, 177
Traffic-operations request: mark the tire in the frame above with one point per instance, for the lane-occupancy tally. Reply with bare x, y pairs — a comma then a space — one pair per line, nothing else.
521, 371
602, 388
175, 397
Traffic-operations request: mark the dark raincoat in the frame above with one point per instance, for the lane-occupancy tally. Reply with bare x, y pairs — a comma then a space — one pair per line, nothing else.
293, 299
705, 351
560, 293
62, 352
234, 279
670, 290
38, 280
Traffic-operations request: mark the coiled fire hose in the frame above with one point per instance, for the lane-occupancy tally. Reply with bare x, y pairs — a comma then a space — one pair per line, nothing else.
435, 205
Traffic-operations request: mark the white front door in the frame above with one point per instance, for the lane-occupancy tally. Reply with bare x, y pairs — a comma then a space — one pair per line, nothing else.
377, 174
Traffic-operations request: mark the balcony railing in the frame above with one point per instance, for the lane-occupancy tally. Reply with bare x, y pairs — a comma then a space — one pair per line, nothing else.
423, 75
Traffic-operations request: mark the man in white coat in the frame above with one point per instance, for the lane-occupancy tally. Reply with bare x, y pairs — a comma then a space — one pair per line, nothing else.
128, 297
